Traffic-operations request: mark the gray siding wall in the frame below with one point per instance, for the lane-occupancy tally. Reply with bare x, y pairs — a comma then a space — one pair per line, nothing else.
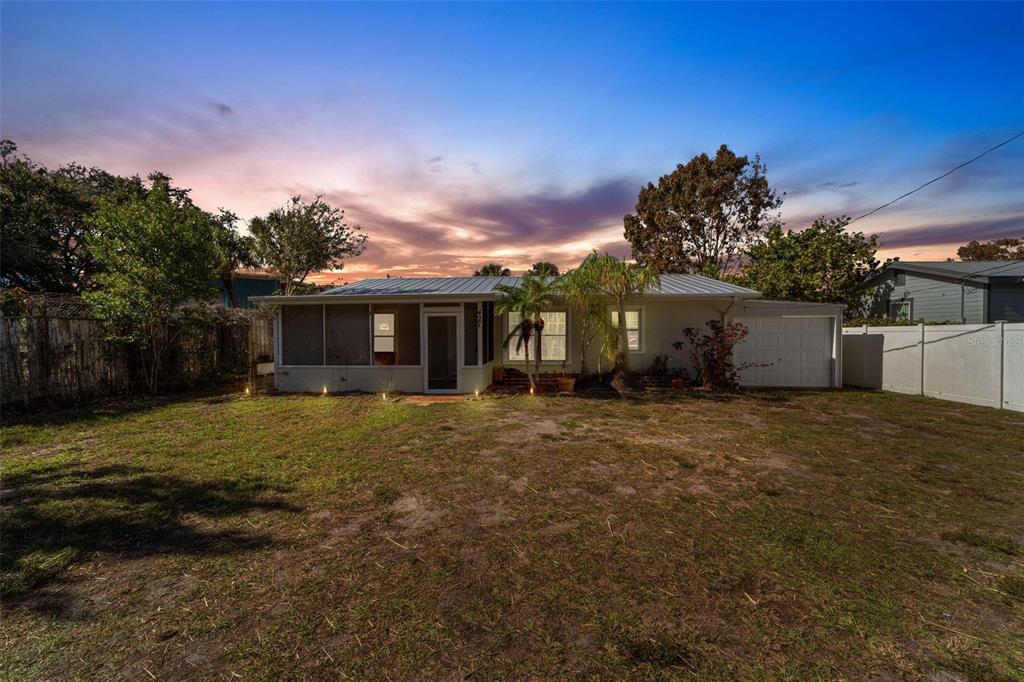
934, 299
1006, 302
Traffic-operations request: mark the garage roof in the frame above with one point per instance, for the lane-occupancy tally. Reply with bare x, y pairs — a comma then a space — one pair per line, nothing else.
671, 285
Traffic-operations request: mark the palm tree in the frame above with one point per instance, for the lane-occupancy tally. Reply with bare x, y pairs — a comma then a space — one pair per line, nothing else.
591, 308
492, 270
528, 300
543, 268
620, 281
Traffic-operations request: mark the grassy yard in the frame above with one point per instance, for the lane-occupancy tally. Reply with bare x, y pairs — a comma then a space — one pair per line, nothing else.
815, 534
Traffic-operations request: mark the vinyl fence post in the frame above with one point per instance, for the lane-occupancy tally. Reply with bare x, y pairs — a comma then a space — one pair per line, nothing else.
865, 360
921, 382
1000, 362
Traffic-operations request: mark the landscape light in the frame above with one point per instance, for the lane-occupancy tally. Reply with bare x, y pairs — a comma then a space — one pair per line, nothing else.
325, 390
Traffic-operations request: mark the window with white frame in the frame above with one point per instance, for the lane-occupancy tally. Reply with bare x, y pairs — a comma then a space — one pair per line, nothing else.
632, 327
383, 332
552, 339
900, 310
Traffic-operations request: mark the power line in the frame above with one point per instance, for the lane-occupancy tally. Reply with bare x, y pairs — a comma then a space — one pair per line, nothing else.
949, 172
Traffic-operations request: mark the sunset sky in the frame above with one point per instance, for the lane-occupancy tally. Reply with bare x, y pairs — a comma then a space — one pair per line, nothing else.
462, 133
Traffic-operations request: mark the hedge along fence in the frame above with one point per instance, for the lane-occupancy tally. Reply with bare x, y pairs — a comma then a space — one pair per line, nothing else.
53, 350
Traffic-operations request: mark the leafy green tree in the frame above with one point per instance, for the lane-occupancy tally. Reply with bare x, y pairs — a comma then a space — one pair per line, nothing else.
529, 299
997, 249
700, 216
543, 269
618, 281
823, 263
492, 270
43, 221
157, 253
304, 237
237, 250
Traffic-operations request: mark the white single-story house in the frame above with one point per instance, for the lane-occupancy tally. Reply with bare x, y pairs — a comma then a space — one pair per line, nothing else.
441, 335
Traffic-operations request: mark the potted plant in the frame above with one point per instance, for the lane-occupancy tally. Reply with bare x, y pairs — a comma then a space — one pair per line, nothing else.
566, 381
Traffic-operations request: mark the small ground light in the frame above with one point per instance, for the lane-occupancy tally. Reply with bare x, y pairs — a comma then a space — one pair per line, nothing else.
325, 390
477, 392
531, 390
384, 397
248, 390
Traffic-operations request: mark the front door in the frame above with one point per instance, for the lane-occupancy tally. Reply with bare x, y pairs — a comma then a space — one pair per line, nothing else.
442, 366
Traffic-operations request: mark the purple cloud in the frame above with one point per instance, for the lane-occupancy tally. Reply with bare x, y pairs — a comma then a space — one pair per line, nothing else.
959, 232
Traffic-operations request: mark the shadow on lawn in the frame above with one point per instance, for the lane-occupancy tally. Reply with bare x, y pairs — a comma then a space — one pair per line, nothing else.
112, 407
55, 517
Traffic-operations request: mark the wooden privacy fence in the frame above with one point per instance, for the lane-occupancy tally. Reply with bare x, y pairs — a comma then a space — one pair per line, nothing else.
48, 357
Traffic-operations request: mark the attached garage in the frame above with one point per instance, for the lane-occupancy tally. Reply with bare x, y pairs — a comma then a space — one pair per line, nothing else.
791, 345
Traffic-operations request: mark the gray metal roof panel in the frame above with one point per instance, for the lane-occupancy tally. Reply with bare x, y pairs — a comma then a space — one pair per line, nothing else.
671, 285
975, 270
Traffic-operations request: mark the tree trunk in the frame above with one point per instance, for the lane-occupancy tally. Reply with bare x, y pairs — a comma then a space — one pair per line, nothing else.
526, 355
229, 286
621, 376
622, 352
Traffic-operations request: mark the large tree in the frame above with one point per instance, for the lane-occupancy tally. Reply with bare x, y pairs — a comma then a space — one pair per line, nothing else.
492, 270
157, 253
43, 221
997, 249
700, 217
237, 250
823, 263
304, 237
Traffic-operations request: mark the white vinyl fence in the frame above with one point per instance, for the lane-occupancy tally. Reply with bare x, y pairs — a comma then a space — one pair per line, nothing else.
980, 364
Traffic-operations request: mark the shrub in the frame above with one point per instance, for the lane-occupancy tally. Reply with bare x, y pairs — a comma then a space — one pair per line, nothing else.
711, 354
890, 322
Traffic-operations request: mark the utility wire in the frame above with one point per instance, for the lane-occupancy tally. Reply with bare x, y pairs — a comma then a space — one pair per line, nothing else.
949, 172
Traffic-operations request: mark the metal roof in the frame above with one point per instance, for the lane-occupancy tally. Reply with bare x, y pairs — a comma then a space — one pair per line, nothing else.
975, 270
425, 286
671, 285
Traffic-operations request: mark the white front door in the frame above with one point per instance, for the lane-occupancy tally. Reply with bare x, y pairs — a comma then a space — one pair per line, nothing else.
443, 352
792, 352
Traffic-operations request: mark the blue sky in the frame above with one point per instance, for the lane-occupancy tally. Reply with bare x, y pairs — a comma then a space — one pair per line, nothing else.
458, 133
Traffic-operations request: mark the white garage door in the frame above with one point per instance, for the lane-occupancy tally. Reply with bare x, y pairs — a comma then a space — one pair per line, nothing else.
786, 351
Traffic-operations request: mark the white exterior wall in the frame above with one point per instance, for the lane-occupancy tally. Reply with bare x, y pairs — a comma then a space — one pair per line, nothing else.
979, 364
661, 320
661, 324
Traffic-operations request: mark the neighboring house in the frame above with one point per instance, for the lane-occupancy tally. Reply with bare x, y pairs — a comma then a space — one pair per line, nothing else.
968, 292
248, 283
441, 335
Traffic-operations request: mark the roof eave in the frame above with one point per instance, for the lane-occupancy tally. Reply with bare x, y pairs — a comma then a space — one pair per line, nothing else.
455, 298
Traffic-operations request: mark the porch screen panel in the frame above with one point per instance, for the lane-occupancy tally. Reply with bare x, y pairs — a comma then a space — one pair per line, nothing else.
407, 333
469, 316
488, 323
347, 330
302, 334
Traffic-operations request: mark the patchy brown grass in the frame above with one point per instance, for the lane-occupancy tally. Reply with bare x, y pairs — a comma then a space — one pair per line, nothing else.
772, 534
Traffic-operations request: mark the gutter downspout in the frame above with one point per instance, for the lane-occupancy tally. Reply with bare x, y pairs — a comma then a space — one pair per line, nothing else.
735, 300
